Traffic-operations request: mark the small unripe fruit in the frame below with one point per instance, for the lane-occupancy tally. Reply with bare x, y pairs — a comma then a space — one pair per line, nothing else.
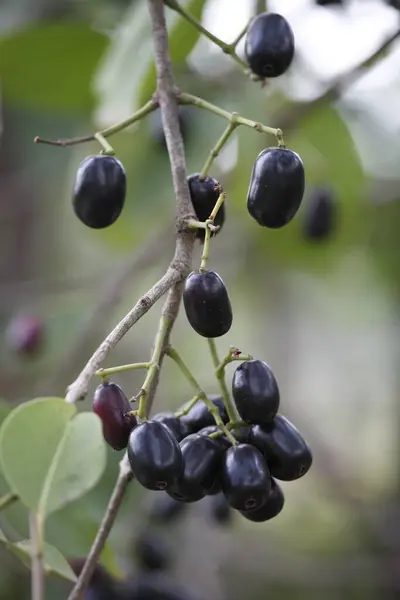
26, 335
99, 191
113, 407
269, 46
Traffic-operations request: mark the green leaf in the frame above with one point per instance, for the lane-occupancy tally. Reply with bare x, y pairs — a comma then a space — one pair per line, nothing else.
78, 463
50, 458
29, 438
54, 561
126, 78
49, 66
182, 40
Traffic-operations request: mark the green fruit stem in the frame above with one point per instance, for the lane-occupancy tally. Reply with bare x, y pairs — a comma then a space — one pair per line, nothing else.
206, 248
7, 500
226, 48
189, 406
220, 375
172, 353
185, 98
104, 133
154, 366
122, 368
218, 147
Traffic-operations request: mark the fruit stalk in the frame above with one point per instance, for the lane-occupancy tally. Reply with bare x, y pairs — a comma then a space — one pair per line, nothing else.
104, 133
226, 48
107, 148
122, 368
163, 330
185, 98
218, 147
220, 375
172, 353
189, 406
206, 248
7, 500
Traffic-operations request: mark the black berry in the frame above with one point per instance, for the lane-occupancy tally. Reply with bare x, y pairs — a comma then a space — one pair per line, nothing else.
154, 455
174, 424
255, 391
204, 193
320, 215
328, 2
199, 416
99, 191
151, 552
220, 510
287, 453
201, 462
207, 304
25, 335
156, 127
112, 406
276, 187
164, 509
270, 509
269, 46
245, 477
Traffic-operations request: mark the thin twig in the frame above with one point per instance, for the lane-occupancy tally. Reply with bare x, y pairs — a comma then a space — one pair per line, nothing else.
124, 477
37, 571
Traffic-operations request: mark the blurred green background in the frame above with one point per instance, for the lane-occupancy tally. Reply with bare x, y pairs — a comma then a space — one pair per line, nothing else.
324, 315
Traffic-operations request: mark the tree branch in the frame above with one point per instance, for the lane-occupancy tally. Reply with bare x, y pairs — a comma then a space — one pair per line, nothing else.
124, 477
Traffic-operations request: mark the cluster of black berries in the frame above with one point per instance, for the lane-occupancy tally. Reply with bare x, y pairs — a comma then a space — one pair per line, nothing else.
189, 457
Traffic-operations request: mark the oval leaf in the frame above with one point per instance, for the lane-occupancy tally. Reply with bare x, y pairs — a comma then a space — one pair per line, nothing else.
77, 465
50, 65
54, 561
29, 439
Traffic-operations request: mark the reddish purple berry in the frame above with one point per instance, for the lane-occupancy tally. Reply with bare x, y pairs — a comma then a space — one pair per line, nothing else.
26, 334
112, 406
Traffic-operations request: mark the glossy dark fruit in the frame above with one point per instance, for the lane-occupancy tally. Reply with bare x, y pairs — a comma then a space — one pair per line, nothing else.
204, 193
202, 458
245, 477
276, 187
242, 434
173, 423
270, 509
220, 510
269, 46
154, 455
156, 127
25, 335
221, 439
199, 416
155, 586
320, 215
151, 552
207, 304
99, 191
286, 451
255, 391
112, 406
328, 2
102, 585
164, 509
